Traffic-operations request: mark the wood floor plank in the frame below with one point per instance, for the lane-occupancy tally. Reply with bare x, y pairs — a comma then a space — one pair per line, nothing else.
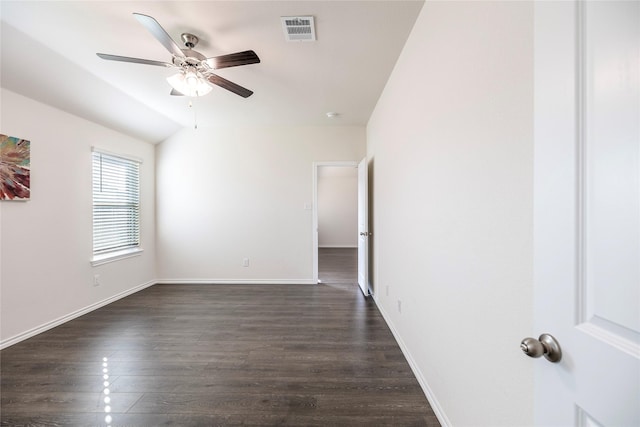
195, 355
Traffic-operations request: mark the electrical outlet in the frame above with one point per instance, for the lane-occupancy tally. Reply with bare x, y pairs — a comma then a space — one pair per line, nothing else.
399, 306
96, 280
245, 262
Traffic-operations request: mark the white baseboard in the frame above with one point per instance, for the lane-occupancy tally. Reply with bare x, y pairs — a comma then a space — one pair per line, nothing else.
235, 282
52, 324
435, 405
338, 246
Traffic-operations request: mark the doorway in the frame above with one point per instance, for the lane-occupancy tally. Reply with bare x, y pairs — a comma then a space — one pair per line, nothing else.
335, 222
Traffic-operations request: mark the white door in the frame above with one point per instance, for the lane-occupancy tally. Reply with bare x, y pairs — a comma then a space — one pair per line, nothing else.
363, 227
587, 211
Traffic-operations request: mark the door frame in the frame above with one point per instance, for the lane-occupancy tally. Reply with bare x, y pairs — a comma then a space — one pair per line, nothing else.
314, 214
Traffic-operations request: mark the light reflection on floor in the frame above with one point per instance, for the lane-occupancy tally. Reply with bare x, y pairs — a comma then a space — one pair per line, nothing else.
107, 399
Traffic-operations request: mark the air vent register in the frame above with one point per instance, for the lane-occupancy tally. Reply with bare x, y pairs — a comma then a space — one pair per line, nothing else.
298, 28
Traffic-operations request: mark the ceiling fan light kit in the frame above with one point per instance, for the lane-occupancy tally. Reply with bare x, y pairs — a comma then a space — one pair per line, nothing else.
189, 83
195, 75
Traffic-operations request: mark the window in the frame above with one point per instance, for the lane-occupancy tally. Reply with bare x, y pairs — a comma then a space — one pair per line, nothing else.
116, 205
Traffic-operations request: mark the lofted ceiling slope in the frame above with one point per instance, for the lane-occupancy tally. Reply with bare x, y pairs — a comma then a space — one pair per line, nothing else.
49, 54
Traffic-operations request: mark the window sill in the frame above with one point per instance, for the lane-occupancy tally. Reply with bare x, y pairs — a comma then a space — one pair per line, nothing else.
115, 256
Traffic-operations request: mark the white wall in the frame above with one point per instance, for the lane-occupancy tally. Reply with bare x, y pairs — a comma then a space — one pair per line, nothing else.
451, 151
226, 194
45, 274
337, 207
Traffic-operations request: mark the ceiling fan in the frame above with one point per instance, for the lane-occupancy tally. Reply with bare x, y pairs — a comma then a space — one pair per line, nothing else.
195, 72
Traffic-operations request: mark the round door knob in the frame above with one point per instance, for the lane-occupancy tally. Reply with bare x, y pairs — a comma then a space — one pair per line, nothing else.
532, 347
546, 346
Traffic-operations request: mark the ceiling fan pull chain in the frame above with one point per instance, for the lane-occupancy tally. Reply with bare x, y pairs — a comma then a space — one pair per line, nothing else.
195, 115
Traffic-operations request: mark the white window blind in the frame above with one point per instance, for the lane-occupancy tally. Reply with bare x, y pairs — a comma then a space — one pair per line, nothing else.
116, 203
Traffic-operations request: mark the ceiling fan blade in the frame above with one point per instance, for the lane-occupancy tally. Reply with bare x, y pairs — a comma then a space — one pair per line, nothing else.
159, 33
134, 60
233, 60
230, 86
175, 93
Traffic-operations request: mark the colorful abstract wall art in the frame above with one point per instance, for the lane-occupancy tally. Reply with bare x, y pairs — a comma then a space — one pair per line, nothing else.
15, 164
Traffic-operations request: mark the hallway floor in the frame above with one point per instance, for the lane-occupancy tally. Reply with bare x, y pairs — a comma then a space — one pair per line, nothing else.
338, 265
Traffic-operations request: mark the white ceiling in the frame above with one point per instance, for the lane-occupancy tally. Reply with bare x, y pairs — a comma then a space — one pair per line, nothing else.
49, 54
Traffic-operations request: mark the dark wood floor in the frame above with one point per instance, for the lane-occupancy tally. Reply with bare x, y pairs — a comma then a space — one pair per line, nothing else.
204, 355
